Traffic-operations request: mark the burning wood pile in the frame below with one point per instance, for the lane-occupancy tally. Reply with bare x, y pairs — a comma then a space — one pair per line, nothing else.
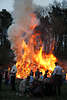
33, 61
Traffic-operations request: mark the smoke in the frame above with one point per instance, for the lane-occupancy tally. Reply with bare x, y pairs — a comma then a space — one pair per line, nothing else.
21, 28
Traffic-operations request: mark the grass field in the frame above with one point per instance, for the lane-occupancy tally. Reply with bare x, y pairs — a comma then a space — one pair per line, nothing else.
7, 94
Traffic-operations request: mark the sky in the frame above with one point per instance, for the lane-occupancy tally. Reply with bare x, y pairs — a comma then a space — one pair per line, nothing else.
8, 4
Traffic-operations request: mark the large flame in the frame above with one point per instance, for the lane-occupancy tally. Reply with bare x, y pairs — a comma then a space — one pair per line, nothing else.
32, 62
33, 56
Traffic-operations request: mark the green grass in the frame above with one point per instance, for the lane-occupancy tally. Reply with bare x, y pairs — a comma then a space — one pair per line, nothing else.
7, 94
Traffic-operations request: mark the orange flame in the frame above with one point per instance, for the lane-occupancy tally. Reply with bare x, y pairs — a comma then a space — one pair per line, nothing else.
33, 60
33, 56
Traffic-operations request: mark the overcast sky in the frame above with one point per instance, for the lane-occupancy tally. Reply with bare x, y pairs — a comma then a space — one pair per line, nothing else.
8, 4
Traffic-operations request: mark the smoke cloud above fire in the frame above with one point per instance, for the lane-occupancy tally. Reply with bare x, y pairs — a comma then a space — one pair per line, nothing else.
21, 29
22, 18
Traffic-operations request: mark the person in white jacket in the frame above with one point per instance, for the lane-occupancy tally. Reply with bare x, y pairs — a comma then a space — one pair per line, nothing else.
58, 78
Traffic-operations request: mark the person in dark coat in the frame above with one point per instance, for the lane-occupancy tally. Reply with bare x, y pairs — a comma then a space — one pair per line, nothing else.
37, 74
6, 78
13, 76
45, 75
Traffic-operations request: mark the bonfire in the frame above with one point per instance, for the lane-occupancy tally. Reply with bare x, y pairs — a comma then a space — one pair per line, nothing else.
34, 56
27, 43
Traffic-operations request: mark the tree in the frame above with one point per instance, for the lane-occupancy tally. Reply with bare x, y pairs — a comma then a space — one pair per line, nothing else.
6, 53
53, 26
44, 28
6, 18
58, 20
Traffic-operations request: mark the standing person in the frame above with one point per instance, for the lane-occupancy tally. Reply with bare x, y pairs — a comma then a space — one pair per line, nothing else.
31, 73
46, 73
31, 77
57, 74
41, 76
0, 80
37, 74
6, 78
22, 87
13, 76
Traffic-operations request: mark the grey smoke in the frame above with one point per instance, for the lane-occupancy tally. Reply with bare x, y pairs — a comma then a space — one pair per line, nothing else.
20, 29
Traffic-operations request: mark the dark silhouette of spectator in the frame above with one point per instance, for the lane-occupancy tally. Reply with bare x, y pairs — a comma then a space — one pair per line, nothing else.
57, 78
31, 77
45, 75
31, 73
6, 78
13, 76
41, 76
0, 80
37, 74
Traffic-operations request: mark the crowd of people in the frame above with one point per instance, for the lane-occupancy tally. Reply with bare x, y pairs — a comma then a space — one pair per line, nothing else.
39, 85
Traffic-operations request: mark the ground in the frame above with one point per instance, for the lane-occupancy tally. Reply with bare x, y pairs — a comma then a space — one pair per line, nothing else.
7, 94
